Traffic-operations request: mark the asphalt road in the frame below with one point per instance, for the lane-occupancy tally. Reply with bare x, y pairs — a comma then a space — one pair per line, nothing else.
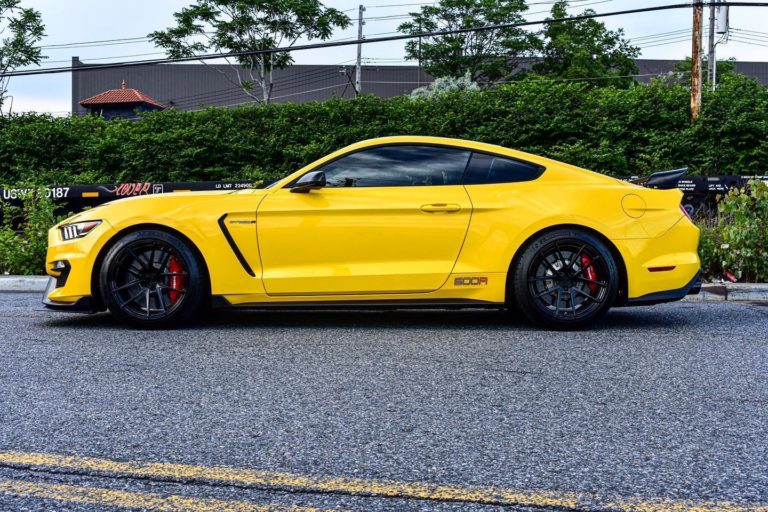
374, 410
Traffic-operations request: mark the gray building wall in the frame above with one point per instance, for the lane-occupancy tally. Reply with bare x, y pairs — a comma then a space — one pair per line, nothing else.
195, 86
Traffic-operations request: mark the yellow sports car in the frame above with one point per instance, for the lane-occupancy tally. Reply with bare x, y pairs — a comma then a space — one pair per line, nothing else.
389, 222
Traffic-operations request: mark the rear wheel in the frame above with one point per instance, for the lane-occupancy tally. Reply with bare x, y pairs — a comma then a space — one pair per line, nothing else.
152, 279
565, 279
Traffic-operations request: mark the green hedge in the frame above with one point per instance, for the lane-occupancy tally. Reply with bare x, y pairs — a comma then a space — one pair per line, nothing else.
616, 131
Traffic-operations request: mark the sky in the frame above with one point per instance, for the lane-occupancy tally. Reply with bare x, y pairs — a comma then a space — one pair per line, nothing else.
661, 35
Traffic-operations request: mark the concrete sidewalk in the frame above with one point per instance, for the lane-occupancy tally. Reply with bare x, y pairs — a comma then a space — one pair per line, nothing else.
709, 292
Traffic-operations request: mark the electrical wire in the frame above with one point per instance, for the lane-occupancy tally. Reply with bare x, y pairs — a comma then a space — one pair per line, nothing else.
83, 59
744, 41
654, 36
329, 44
309, 77
683, 40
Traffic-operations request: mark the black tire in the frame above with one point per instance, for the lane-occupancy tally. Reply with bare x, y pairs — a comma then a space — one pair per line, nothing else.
152, 279
564, 279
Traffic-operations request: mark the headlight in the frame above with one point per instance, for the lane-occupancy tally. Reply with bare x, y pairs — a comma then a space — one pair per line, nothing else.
78, 229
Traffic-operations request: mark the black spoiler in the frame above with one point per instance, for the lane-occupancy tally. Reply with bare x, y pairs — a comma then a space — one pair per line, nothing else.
663, 179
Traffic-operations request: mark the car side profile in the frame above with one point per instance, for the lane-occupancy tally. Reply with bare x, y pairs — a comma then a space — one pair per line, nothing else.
388, 222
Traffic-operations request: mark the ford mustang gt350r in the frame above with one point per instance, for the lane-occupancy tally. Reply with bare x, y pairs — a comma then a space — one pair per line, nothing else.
390, 222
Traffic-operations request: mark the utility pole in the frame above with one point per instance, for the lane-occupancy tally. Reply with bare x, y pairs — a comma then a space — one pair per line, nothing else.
359, 66
711, 58
698, 12
418, 79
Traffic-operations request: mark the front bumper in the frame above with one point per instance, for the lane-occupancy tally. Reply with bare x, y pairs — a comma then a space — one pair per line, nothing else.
81, 305
70, 265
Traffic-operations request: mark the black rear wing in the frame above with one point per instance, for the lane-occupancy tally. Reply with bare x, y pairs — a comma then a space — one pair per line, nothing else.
662, 180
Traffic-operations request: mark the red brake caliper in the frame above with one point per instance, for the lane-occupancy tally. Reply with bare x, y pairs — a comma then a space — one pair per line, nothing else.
176, 281
589, 273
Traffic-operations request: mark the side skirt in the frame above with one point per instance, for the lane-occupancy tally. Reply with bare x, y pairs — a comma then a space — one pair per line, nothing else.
221, 302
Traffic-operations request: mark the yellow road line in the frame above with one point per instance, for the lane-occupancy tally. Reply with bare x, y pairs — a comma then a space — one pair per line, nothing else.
249, 477
359, 486
136, 500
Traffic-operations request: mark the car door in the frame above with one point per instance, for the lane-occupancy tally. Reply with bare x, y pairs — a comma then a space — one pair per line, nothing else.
391, 219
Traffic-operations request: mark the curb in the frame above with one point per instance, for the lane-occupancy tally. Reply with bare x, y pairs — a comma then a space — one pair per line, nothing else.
712, 292
30, 284
733, 292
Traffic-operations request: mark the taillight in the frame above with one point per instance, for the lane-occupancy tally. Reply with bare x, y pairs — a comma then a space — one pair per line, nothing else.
685, 212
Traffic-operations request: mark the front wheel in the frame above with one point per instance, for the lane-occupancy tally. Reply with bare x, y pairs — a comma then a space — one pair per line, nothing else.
152, 279
564, 279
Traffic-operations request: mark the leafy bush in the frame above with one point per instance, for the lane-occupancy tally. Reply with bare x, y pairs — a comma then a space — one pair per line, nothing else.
445, 85
616, 131
24, 234
742, 232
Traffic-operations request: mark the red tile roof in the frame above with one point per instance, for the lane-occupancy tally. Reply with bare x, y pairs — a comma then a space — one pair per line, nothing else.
123, 95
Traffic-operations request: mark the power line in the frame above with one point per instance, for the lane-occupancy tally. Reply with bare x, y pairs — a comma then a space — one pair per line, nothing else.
653, 36
103, 41
744, 41
682, 40
107, 58
329, 44
292, 82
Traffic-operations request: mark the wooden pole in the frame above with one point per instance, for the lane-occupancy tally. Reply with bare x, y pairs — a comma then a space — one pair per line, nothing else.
698, 11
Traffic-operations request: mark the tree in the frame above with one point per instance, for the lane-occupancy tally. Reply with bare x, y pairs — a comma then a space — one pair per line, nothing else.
585, 49
20, 30
227, 26
486, 55
682, 72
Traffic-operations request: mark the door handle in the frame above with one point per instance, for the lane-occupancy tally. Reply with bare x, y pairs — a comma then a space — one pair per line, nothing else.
441, 208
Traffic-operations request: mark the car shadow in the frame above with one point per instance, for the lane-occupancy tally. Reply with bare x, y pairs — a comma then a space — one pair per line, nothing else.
618, 318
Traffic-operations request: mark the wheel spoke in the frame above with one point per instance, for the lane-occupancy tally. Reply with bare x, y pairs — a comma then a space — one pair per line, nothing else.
160, 299
126, 285
573, 304
147, 299
560, 255
585, 294
547, 292
557, 301
541, 278
602, 284
577, 258
133, 298
169, 288
164, 261
550, 265
173, 273
137, 259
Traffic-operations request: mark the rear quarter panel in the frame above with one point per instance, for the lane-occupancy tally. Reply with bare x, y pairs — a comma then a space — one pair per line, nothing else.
506, 215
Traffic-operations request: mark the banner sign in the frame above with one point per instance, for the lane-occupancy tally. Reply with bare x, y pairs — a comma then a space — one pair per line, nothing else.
74, 198
712, 184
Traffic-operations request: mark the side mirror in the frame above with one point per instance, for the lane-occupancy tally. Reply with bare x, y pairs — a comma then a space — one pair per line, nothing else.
310, 181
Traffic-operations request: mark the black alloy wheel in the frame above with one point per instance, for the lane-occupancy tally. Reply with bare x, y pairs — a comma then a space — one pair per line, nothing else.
152, 279
565, 279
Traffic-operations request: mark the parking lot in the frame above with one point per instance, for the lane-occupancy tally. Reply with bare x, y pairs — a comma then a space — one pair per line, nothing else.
656, 408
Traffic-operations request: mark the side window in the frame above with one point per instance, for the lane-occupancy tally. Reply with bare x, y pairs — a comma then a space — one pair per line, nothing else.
495, 169
398, 166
